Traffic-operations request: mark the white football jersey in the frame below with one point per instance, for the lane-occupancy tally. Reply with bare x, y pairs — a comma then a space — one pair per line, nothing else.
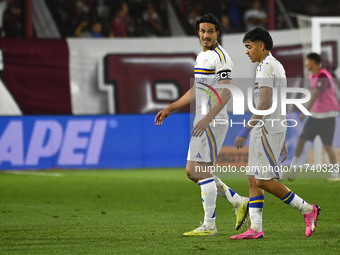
270, 73
210, 67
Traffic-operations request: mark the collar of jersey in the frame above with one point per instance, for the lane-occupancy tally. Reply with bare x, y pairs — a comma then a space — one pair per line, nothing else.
264, 58
215, 46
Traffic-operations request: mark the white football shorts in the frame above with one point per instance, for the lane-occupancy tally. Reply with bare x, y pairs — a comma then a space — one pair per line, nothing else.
207, 147
264, 153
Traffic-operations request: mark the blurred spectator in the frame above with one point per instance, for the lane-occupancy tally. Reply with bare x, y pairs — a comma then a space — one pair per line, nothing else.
138, 28
103, 9
81, 30
12, 19
280, 22
163, 14
153, 23
150, 17
255, 17
192, 15
94, 31
319, 8
77, 16
119, 24
225, 23
97, 29
234, 15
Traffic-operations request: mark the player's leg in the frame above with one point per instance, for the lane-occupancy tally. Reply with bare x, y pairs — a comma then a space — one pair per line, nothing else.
310, 211
298, 150
194, 171
309, 132
256, 195
226, 192
201, 174
270, 151
256, 202
330, 151
296, 158
327, 135
240, 203
335, 174
206, 149
217, 136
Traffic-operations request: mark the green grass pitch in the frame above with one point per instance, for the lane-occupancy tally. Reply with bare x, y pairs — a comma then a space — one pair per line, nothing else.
146, 212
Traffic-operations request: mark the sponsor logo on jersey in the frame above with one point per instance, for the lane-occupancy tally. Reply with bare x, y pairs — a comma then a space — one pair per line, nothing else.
200, 79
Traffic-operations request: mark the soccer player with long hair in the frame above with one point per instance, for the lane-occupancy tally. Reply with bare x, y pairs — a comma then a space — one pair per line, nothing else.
213, 66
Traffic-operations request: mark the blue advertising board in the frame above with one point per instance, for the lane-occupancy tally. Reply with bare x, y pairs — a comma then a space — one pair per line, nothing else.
112, 141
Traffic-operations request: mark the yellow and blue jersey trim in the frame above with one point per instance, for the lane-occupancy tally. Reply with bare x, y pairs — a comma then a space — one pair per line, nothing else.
261, 63
264, 130
218, 50
269, 153
212, 145
204, 71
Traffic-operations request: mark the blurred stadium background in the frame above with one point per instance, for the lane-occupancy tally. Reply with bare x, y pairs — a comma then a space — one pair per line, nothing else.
82, 98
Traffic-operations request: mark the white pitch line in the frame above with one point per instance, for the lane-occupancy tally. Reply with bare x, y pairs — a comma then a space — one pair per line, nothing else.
35, 173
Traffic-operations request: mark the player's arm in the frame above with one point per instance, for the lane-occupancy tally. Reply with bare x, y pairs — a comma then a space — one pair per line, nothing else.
323, 84
265, 96
203, 124
186, 99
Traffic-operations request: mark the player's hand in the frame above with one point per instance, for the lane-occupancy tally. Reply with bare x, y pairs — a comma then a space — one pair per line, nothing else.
302, 116
239, 142
284, 152
200, 127
161, 116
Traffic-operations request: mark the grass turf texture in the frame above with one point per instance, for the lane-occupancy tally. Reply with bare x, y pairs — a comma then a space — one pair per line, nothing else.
146, 212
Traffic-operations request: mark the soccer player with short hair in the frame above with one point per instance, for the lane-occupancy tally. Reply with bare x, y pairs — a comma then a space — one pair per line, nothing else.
324, 108
267, 138
213, 66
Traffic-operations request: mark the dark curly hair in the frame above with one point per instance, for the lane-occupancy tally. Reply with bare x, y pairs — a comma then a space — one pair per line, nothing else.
259, 34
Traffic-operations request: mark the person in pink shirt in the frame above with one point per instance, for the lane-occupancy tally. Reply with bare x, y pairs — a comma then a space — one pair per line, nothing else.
324, 108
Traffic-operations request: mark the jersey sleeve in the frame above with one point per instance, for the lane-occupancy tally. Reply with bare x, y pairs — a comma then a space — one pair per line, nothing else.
323, 83
265, 75
223, 66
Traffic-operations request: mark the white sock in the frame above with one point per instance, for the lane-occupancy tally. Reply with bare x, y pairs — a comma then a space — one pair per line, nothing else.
295, 161
209, 194
335, 174
224, 191
297, 202
255, 215
255, 212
